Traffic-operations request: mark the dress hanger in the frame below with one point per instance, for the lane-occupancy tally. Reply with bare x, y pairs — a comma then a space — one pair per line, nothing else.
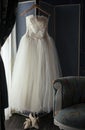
32, 7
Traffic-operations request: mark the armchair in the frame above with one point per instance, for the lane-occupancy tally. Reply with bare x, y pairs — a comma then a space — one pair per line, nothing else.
69, 103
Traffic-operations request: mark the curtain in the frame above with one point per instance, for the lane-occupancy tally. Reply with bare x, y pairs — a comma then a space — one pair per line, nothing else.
8, 53
7, 20
8, 50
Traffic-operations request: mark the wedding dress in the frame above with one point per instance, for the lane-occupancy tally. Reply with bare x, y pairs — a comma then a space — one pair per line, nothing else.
36, 66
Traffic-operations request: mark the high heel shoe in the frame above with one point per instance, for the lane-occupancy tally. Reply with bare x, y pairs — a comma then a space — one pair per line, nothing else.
31, 122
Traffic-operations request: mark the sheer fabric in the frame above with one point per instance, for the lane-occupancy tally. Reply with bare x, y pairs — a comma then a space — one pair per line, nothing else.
36, 66
8, 53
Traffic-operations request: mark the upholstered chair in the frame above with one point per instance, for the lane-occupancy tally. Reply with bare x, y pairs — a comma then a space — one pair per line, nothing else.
69, 103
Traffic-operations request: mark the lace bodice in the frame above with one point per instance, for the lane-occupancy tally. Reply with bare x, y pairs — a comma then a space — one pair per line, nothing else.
36, 26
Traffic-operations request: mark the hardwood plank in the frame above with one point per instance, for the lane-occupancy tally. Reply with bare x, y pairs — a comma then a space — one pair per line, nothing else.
16, 123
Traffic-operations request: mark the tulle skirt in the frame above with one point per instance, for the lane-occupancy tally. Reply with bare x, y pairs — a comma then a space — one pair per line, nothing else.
36, 66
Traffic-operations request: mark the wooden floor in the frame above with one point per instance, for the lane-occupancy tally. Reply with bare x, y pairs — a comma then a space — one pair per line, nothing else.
16, 123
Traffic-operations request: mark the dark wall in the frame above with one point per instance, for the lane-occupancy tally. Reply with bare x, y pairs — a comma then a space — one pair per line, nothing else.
52, 3
67, 33
82, 54
64, 27
60, 2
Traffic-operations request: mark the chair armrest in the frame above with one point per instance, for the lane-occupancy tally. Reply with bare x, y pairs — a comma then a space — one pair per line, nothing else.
57, 98
68, 91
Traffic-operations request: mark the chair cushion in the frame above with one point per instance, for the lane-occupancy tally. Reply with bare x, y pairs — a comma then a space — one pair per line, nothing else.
73, 116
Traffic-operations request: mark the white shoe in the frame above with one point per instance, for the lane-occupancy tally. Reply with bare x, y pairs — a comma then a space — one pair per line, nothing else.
31, 122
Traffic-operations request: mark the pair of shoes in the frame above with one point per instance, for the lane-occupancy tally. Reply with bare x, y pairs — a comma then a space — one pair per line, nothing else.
31, 122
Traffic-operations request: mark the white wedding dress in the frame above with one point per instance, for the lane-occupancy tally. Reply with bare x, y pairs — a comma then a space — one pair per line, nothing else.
36, 66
